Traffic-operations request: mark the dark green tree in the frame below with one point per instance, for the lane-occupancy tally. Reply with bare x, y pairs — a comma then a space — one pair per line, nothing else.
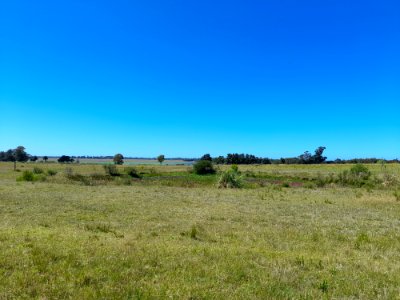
206, 157
161, 158
20, 154
118, 159
318, 157
65, 159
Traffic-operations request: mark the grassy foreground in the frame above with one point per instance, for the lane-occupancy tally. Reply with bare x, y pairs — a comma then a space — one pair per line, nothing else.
71, 241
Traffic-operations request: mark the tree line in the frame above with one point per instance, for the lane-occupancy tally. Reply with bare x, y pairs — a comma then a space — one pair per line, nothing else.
20, 155
249, 159
306, 158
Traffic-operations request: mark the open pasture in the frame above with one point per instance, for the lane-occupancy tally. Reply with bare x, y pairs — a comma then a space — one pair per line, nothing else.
61, 239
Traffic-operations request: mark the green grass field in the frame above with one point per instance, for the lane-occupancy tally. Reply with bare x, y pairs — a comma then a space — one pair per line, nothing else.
176, 235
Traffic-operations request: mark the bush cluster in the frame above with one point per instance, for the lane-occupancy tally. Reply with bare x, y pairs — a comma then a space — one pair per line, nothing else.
358, 176
31, 176
203, 167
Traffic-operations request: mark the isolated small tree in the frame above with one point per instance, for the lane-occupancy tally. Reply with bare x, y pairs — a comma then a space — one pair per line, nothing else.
45, 158
118, 159
161, 158
33, 158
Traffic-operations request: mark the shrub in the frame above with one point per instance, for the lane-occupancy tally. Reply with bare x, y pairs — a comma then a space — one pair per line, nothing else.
320, 181
360, 171
26, 176
37, 170
132, 172
193, 232
111, 170
203, 167
230, 179
358, 176
51, 172
389, 180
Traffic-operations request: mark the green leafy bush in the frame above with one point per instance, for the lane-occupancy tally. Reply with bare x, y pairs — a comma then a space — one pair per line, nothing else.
203, 167
231, 179
358, 176
27, 176
360, 171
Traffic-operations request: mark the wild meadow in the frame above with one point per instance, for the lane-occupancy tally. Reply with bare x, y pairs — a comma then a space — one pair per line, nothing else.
78, 231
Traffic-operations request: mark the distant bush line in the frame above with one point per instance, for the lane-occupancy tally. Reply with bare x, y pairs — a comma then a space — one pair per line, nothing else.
19, 155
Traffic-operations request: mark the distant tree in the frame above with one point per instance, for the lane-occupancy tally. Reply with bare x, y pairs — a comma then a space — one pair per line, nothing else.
33, 158
161, 158
219, 160
10, 155
266, 161
15, 155
206, 157
45, 158
305, 158
20, 154
65, 159
317, 157
118, 159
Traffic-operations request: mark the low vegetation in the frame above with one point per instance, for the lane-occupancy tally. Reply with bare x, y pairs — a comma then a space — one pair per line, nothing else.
290, 232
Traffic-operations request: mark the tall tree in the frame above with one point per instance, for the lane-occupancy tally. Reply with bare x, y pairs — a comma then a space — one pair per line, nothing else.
20, 154
161, 158
318, 158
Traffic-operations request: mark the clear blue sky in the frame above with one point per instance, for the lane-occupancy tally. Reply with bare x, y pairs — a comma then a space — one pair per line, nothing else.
184, 78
